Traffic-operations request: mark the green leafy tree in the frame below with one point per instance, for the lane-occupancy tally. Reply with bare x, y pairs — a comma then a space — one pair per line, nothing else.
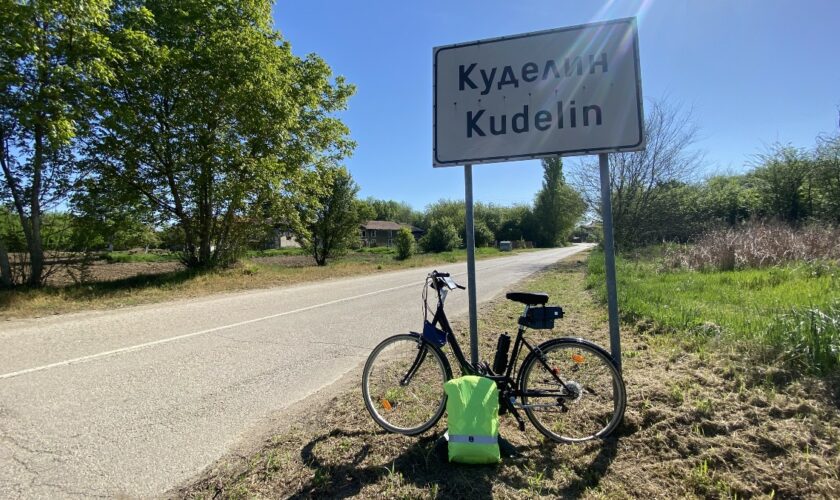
389, 210
53, 56
333, 224
215, 123
517, 223
483, 235
729, 199
784, 183
405, 244
105, 220
558, 207
441, 237
827, 178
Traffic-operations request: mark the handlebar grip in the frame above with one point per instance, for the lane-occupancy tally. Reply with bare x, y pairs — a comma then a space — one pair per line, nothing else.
439, 275
462, 287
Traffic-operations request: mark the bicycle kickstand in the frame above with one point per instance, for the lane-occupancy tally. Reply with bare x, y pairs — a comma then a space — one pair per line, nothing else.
513, 411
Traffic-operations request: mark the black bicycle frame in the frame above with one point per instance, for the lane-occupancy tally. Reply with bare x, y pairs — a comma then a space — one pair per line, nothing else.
505, 378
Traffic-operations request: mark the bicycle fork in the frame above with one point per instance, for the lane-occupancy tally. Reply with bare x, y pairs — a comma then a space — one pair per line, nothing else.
421, 355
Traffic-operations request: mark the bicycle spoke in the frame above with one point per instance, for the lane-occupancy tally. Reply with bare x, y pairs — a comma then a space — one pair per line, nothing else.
409, 407
587, 406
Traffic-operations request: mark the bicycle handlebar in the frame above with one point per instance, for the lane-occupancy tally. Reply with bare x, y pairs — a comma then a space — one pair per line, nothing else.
448, 282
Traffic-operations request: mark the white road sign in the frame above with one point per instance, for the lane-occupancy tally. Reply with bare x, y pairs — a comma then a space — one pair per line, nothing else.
567, 91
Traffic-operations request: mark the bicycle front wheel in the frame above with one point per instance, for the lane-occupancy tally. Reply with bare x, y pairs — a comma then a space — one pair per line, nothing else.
402, 384
572, 390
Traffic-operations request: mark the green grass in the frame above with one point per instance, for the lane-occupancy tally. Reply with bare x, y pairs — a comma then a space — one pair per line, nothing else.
123, 257
378, 250
792, 310
274, 252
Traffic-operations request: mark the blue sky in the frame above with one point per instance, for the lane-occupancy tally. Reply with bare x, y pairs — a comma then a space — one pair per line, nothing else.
753, 72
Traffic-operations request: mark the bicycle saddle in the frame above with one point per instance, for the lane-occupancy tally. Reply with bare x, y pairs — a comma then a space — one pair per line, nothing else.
528, 298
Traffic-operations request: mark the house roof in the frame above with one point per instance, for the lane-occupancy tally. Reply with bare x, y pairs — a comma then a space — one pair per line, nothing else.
387, 225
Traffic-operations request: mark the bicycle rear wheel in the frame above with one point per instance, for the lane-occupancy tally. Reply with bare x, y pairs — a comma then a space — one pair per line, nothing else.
402, 384
590, 401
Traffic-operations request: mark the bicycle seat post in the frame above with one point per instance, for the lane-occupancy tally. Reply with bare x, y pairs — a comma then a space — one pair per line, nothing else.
524, 315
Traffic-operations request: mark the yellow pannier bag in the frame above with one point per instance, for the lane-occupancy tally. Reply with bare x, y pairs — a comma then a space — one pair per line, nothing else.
473, 417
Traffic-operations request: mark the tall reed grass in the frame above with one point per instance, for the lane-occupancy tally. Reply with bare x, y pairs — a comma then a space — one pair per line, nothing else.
756, 246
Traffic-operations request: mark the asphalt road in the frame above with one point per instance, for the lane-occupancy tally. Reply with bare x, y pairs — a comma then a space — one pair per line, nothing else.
135, 401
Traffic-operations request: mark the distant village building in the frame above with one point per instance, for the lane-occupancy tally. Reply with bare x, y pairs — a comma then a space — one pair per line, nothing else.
284, 239
381, 233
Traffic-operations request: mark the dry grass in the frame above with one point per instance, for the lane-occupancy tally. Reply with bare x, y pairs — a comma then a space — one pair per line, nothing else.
700, 423
756, 246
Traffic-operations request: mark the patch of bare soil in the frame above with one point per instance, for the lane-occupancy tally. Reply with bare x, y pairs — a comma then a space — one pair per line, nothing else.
102, 271
702, 421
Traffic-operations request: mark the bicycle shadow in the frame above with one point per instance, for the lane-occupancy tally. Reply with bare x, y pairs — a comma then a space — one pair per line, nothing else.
424, 464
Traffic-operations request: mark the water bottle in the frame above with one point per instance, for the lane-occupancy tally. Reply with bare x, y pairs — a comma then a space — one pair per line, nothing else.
500, 361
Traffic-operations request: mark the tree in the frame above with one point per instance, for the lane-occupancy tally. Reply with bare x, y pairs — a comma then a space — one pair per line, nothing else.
729, 199
827, 178
557, 207
333, 221
442, 236
483, 235
53, 56
405, 244
784, 183
389, 210
517, 223
215, 123
636, 177
105, 220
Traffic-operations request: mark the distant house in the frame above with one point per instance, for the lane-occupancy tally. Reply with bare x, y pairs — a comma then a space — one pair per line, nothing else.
382, 233
283, 238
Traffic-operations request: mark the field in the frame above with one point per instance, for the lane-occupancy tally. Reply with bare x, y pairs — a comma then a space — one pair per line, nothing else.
122, 279
703, 421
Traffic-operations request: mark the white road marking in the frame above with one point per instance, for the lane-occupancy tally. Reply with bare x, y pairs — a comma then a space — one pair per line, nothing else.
121, 350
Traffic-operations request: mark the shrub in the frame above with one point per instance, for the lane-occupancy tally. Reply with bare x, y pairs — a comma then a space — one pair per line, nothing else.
405, 244
483, 235
442, 237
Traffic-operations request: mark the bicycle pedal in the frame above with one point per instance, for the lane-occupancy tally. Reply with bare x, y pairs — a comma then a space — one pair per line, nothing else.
522, 426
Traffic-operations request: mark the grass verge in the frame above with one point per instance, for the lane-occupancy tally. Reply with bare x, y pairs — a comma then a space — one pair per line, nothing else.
789, 313
701, 422
262, 270
126, 257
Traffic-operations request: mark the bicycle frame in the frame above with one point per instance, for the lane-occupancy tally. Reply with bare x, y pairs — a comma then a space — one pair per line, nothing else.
505, 380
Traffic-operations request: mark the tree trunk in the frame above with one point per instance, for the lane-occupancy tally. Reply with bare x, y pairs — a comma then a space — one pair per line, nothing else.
205, 213
36, 249
5, 268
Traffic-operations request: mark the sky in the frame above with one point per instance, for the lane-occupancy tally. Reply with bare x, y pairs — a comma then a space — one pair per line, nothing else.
752, 72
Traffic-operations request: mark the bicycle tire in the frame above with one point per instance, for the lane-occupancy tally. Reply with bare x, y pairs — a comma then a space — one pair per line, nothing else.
600, 404
411, 408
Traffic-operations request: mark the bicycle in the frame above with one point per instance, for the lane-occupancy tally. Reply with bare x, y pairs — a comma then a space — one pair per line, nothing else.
570, 388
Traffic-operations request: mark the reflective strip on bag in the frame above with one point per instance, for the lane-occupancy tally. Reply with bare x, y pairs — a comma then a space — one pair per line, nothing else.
465, 439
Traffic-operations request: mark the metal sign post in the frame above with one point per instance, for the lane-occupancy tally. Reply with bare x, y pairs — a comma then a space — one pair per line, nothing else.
470, 229
609, 258
567, 91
